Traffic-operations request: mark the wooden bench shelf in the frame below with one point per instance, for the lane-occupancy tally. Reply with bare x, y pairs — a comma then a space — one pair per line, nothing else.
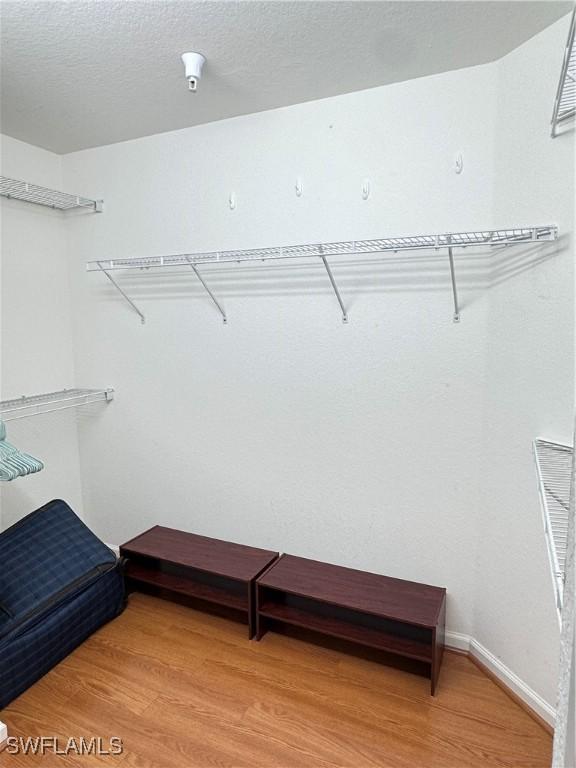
185, 585
356, 633
399, 617
172, 562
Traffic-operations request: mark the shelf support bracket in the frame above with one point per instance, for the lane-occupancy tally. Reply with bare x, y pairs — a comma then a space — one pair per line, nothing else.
334, 287
208, 291
126, 297
454, 289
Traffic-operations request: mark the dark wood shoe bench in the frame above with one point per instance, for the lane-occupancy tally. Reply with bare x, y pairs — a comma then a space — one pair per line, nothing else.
402, 618
166, 561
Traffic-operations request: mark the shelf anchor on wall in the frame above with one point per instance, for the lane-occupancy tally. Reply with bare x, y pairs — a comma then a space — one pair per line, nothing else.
454, 290
334, 286
208, 291
128, 299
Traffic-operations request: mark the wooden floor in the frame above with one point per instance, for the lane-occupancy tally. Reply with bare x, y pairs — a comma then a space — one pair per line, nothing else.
183, 688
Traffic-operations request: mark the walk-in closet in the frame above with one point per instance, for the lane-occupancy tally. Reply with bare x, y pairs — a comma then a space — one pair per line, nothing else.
287, 383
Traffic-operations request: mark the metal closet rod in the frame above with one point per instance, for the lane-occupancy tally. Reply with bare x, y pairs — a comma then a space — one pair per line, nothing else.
50, 198
446, 240
34, 405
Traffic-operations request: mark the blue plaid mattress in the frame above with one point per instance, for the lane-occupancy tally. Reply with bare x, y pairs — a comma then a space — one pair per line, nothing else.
58, 584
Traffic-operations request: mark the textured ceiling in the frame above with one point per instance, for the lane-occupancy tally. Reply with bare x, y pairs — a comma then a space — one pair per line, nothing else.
85, 73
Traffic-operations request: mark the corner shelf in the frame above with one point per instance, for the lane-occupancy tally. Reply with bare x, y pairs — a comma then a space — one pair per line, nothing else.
50, 198
320, 251
565, 102
22, 407
554, 468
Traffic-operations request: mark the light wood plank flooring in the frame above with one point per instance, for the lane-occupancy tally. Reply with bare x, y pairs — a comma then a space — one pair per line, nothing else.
186, 689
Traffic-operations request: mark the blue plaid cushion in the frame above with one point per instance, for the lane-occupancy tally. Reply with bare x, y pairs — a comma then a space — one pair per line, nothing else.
44, 557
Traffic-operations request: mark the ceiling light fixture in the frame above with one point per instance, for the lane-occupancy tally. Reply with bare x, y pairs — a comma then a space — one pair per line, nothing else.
193, 63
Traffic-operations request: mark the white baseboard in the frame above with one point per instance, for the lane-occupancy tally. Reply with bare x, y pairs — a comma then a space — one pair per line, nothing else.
510, 679
458, 641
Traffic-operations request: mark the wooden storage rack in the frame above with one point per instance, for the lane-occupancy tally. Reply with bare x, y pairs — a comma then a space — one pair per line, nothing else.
403, 618
171, 562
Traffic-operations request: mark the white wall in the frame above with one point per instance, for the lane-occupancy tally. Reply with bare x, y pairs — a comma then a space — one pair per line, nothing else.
357, 444
530, 364
36, 340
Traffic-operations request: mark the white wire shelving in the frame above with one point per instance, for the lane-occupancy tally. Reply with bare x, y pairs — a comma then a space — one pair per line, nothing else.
565, 102
448, 241
34, 405
554, 468
51, 198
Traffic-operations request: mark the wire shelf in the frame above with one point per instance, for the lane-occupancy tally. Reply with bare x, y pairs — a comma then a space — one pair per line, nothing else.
318, 250
34, 405
565, 102
32, 193
554, 468
447, 240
